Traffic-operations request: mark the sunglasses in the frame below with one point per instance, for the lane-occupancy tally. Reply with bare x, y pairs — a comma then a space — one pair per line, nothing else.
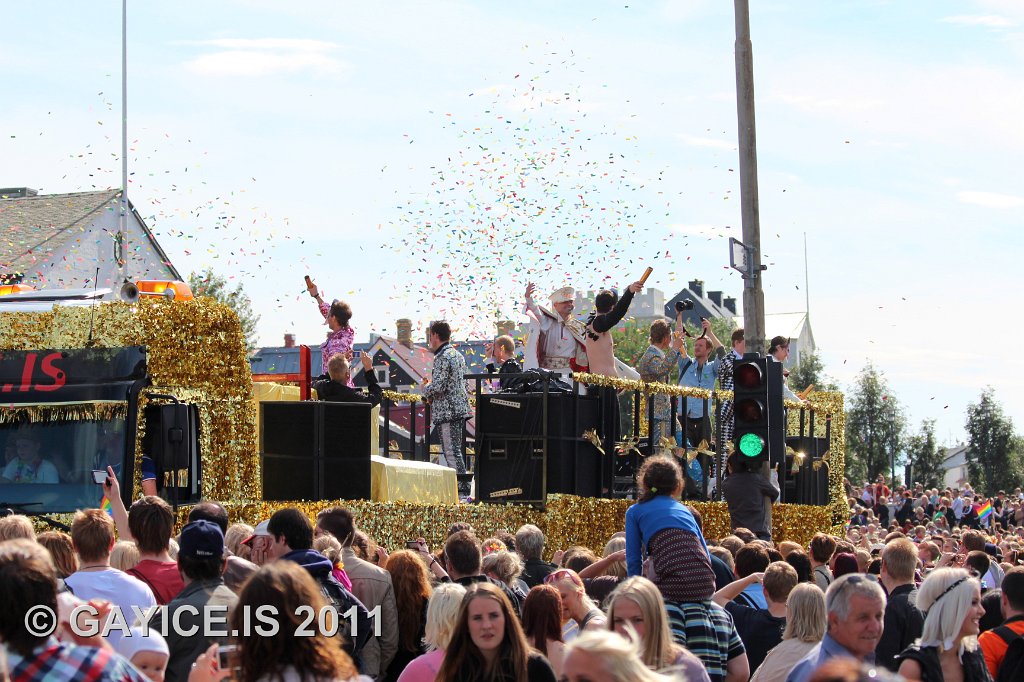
852, 579
563, 573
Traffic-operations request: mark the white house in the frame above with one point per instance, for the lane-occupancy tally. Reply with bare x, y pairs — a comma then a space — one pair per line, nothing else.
955, 465
56, 241
795, 326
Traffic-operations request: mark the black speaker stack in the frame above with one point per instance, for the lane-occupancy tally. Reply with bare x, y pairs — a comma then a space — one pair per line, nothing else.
314, 450
806, 486
510, 462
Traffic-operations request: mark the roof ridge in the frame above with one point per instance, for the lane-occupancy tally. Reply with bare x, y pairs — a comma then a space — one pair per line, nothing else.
114, 192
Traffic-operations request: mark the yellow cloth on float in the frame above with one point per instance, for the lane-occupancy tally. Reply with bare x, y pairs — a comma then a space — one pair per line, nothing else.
399, 480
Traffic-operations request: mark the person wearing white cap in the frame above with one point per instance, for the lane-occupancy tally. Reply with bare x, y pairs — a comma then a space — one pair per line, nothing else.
557, 340
147, 651
259, 542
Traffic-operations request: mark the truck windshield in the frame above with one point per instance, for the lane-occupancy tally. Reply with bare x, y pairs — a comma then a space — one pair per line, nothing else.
48, 466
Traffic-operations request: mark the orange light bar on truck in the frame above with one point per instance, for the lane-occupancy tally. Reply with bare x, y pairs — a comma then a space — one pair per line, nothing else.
171, 289
14, 289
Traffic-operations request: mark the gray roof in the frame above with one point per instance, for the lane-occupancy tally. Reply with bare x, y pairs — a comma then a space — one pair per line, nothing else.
34, 228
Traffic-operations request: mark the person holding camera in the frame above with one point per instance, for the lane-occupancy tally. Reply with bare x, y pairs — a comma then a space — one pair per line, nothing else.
700, 371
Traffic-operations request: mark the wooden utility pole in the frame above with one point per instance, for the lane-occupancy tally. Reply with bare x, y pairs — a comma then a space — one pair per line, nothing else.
753, 296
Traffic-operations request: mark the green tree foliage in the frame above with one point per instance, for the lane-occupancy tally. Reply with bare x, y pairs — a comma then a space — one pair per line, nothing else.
926, 457
208, 283
633, 338
994, 450
811, 370
875, 426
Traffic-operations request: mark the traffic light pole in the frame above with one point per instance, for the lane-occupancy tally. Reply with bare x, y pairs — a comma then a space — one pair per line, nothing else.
753, 296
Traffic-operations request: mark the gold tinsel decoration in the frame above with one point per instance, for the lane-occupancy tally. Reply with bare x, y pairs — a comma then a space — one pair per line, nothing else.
196, 352
13, 413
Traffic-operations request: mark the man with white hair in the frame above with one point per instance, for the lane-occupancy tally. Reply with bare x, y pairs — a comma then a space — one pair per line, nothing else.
855, 604
557, 340
530, 546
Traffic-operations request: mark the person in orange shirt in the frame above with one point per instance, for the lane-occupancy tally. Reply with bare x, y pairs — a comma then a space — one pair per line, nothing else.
993, 644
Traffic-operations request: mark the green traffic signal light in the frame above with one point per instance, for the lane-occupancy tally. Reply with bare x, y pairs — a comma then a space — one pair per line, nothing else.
751, 445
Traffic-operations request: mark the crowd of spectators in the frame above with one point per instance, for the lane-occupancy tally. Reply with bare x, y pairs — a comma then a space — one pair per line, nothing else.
922, 601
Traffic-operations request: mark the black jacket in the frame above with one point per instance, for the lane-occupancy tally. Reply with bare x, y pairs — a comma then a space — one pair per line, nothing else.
535, 570
744, 494
510, 366
335, 392
902, 626
320, 568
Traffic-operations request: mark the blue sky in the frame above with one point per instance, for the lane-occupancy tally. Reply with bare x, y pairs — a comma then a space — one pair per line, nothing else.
425, 160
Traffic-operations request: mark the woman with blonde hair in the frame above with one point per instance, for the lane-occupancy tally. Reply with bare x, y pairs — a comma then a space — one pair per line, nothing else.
616, 568
125, 555
604, 655
576, 605
61, 550
442, 616
236, 534
16, 526
488, 643
636, 611
805, 628
948, 649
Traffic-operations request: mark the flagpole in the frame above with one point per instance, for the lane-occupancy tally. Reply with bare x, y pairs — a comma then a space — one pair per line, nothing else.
122, 233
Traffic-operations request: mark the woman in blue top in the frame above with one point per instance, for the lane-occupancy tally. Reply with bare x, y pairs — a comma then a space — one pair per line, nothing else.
664, 530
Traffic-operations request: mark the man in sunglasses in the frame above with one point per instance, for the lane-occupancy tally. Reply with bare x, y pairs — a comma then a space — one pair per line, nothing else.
855, 604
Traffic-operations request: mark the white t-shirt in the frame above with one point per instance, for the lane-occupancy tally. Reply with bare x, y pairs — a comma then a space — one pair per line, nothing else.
117, 587
20, 472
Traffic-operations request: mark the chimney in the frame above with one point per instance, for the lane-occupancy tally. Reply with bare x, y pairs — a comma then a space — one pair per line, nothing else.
716, 297
697, 287
730, 304
289, 340
505, 327
405, 332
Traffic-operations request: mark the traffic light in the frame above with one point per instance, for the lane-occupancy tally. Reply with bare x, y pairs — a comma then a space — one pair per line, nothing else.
759, 432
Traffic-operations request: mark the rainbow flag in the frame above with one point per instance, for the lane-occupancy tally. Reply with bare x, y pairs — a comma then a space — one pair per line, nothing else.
983, 510
105, 506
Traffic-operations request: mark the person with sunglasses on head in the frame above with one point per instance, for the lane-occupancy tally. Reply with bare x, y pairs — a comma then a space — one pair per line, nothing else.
855, 606
576, 605
948, 648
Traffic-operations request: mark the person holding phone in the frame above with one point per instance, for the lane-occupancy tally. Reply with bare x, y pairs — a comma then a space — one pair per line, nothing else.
288, 650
